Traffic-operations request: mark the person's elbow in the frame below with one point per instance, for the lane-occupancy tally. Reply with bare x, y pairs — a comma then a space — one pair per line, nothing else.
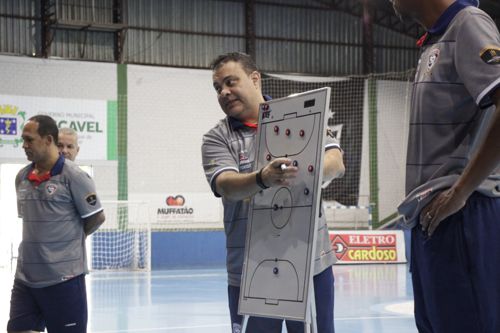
93, 223
336, 169
225, 187
334, 165
340, 169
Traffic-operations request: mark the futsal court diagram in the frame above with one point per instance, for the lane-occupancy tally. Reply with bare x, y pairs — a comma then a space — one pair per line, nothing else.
280, 242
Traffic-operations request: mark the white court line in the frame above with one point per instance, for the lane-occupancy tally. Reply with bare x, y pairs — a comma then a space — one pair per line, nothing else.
372, 318
165, 328
227, 325
135, 277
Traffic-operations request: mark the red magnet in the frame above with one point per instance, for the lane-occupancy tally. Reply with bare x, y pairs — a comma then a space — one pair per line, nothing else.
302, 133
287, 132
276, 129
268, 157
310, 168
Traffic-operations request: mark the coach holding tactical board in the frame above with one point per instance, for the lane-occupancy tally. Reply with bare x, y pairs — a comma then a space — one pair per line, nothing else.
454, 145
228, 152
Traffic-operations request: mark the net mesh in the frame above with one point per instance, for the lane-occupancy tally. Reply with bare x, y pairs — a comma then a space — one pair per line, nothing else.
369, 117
123, 241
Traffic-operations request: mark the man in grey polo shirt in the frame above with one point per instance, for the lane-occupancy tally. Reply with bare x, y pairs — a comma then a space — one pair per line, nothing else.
228, 152
454, 146
59, 207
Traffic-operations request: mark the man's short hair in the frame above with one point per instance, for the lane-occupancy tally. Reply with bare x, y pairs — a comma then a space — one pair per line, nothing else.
68, 131
46, 126
243, 59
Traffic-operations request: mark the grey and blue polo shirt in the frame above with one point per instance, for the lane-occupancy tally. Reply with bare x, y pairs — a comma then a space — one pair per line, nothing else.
53, 243
230, 145
451, 106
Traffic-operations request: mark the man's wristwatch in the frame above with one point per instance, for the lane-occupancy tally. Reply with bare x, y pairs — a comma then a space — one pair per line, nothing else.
258, 180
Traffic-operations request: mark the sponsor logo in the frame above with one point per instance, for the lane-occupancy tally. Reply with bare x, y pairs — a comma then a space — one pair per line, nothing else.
245, 163
176, 207
365, 247
491, 55
422, 195
243, 156
266, 111
51, 188
91, 199
175, 201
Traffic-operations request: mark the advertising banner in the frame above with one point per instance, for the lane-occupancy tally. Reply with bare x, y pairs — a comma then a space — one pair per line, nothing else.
362, 247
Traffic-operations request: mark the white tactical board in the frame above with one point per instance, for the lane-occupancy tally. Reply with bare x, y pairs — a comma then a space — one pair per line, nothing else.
280, 240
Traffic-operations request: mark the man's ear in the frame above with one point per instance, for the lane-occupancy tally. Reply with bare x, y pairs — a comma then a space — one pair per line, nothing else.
50, 139
255, 77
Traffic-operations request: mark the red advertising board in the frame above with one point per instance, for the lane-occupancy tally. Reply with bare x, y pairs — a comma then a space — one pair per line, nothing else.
368, 246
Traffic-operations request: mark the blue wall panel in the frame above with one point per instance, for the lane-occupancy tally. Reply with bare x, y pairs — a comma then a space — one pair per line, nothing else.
173, 250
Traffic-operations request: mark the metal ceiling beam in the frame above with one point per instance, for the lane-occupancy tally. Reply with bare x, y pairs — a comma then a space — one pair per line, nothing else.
383, 15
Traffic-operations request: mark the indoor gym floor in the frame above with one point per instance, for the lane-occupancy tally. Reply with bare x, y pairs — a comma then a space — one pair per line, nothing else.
368, 299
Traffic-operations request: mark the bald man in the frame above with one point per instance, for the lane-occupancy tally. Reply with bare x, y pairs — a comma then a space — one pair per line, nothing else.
68, 143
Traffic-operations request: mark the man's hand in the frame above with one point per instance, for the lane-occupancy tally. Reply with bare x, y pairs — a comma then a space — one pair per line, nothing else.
444, 205
279, 172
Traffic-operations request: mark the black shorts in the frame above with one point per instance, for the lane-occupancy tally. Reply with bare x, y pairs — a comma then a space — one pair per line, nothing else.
60, 308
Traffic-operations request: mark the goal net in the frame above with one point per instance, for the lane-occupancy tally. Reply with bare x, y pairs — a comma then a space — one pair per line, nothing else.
369, 116
123, 242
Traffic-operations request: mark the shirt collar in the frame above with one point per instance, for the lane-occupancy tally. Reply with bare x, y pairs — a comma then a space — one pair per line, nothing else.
449, 14
237, 124
56, 169
445, 19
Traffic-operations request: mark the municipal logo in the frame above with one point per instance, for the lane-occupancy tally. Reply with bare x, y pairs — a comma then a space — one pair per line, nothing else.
8, 126
12, 121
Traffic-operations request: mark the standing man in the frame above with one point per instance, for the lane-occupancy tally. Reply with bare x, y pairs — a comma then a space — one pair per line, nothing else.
228, 152
59, 207
68, 143
454, 144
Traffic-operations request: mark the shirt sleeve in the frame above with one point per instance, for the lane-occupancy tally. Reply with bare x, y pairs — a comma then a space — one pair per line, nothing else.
19, 204
217, 158
84, 194
477, 56
331, 141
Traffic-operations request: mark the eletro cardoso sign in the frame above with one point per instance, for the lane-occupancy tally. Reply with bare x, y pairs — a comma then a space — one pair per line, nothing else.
368, 246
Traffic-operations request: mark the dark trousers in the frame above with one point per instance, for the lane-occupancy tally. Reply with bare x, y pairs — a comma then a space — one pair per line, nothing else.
456, 273
61, 308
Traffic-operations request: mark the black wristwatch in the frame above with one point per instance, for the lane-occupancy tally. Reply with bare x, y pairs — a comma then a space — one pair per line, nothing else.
258, 180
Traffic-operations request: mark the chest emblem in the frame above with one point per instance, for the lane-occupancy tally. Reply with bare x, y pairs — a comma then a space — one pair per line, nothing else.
51, 189
433, 59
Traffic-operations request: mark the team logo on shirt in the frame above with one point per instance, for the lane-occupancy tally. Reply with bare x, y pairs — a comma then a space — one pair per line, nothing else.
91, 199
491, 55
51, 188
433, 59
